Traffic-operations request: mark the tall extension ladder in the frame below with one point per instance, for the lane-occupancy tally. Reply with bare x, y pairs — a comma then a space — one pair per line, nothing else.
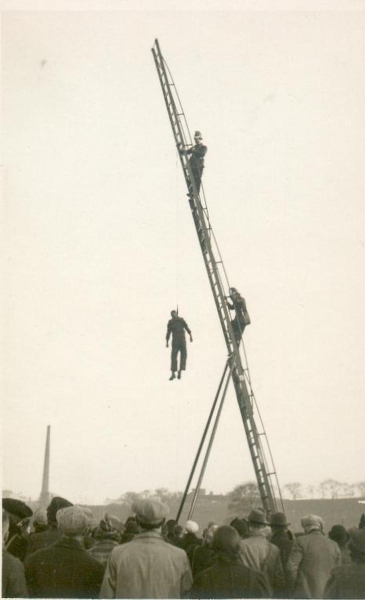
266, 477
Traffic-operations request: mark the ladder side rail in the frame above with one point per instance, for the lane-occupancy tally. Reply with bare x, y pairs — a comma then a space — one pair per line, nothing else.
178, 131
213, 274
261, 439
271, 467
256, 451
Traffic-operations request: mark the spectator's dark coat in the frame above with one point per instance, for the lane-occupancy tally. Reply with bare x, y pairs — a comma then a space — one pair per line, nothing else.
346, 581
39, 541
188, 543
229, 580
13, 579
63, 570
202, 557
282, 541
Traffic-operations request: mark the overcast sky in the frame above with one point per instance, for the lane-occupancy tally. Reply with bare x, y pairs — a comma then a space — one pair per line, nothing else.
100, 244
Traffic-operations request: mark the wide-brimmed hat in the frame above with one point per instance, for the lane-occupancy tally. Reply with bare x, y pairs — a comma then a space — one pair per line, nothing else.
279, 520
18, 508
257, 516
151, 512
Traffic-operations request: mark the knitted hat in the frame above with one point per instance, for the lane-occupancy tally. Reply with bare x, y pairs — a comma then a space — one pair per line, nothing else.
72, 520
191, 527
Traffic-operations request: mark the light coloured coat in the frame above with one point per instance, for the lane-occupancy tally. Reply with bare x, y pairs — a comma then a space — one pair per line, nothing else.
146, 567
259, 554
309, 565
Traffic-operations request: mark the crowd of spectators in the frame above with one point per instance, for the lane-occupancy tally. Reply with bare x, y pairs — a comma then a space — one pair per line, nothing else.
62, 552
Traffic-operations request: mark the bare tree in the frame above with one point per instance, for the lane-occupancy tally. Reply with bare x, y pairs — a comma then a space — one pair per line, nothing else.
311, 490
331, 487
295, 489
243, 498
361, 487
129, 498
166, 496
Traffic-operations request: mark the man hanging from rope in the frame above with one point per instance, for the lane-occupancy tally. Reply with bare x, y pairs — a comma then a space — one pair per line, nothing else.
177, 326
197, 152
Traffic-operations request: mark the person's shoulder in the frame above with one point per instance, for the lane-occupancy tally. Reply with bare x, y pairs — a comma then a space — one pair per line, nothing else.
273, 548
11, 561
175, 551
92, 563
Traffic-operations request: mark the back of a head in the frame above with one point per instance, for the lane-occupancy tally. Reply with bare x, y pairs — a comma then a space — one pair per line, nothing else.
151, 513
72, 521
357, 544
191, 527
311, 523
241, 526
226, 543
339, 534
170, 524
55, 505
178, 531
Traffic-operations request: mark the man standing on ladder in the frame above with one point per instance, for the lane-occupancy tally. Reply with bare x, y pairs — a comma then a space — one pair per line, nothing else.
177, 326
242, 317
198, 151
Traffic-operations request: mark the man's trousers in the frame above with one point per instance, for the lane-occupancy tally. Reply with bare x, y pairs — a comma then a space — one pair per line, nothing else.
178, 345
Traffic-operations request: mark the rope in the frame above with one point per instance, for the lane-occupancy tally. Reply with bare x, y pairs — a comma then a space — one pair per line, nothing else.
177, 245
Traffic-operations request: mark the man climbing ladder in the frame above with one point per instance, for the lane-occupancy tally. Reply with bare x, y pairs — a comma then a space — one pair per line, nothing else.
177, 326
196, 153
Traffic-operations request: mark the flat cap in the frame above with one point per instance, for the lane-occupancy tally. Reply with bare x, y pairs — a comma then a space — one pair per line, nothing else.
151, 511
72, 520
312, 521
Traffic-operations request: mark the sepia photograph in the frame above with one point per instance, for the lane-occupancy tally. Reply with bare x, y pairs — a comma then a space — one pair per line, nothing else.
183, 296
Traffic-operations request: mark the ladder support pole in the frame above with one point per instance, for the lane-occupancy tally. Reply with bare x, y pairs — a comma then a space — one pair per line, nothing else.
209, 448
186, 491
